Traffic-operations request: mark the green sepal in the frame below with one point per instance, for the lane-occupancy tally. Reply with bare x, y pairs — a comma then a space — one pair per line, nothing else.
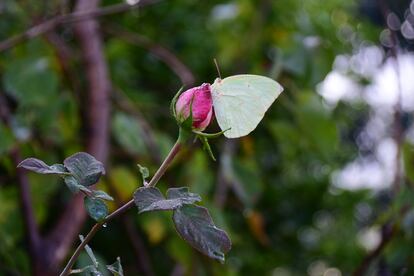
206, 146
204, 140
184, 135
209, 135
174, 101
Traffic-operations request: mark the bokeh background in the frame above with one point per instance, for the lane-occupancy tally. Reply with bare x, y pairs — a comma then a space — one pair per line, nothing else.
322, 187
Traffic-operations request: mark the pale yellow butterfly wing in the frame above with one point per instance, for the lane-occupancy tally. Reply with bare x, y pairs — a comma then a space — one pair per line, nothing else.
241, 101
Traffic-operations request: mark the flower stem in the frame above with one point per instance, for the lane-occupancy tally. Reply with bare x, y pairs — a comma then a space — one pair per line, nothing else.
157, 176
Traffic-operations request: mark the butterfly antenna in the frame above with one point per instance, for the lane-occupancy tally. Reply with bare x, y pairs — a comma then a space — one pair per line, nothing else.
217, 67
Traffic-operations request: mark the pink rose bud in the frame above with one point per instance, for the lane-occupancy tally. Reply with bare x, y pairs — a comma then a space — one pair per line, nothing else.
202, 106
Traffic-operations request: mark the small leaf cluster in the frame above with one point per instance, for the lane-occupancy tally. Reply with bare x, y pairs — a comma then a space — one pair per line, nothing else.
94, 269
79, 171
192, 222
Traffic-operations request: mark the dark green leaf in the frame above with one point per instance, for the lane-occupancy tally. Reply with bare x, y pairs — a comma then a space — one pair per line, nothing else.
89, 251
128, 133
39, 166
96, 208
195, 225
146, 199
151, 199
72, 184
87, 269
87, 191
183, 195
102, 195
31, 81
116, 268
85, 168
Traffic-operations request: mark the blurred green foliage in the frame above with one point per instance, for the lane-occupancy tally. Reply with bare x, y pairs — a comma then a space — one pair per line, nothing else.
277, 203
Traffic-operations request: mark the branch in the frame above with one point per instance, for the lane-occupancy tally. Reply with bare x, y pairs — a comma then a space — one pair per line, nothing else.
387, 233
64, 55
32, 232
164, 54
66, 230
27, 209
70, 18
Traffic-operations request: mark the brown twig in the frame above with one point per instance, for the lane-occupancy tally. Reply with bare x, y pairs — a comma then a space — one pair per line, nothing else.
79, 15
164, 54
398, 129
99, 85
389, 230
97, 120
64, 55
27, 209
387, 233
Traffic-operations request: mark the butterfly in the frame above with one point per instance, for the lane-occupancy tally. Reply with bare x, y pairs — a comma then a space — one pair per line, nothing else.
240, 102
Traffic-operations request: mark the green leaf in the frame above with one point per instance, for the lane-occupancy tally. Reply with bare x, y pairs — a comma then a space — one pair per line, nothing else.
87, 191
116, 268
144, 173
85, 168
72, 184
102, 195
151, 199
183, 195
89, 270
32, 81
195, 225
86, 269
36, 165
96, 208
128, 133
89, 251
